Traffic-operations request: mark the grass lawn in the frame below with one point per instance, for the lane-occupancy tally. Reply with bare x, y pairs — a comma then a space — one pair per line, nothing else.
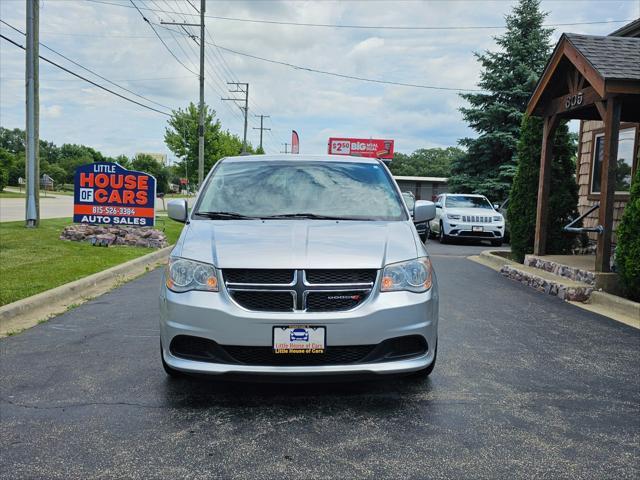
35, 260
6, 194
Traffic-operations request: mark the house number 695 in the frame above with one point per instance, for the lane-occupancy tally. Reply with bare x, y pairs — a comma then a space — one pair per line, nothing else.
573, 100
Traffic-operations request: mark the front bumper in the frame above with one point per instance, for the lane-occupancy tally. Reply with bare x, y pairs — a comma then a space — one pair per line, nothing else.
490, 231
381, 317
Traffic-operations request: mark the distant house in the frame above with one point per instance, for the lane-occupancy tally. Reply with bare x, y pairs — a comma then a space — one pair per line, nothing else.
160, 157
46, 182
423, 188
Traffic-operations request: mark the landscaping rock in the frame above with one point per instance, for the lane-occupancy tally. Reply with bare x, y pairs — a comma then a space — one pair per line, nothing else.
550, 287
105, 236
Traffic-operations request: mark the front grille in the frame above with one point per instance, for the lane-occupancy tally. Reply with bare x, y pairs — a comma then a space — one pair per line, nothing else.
475, 219
340, 276
334, 301
261, 276
206, 350
278, 301
314, 290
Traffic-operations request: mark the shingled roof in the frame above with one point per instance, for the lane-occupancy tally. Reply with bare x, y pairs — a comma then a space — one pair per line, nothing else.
613, 57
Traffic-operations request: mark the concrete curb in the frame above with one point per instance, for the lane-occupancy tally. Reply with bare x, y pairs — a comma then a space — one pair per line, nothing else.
490, 259
617, 305
29, 311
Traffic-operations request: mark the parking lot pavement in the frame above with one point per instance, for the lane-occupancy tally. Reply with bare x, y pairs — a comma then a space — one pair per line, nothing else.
526, 386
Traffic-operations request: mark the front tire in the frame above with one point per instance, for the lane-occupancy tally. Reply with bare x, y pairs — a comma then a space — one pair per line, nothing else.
496, 243
443, 237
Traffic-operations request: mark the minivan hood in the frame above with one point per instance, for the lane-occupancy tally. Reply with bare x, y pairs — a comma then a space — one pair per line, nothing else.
297, 243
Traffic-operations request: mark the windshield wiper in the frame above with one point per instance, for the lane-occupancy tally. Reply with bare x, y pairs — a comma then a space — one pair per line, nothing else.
309, 215
226, 215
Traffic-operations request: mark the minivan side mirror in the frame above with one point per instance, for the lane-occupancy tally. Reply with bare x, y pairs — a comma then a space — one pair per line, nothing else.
178, 210
424, 211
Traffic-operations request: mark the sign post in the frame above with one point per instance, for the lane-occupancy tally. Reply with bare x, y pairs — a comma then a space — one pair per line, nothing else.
107, 194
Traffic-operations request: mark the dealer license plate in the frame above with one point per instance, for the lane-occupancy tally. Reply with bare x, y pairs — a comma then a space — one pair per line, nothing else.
299, 339
477, 228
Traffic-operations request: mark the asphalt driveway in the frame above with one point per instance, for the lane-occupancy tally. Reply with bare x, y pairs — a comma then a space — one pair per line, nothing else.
526, 386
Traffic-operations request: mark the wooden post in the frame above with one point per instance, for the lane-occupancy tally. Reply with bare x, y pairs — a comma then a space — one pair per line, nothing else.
548, 134
608, 182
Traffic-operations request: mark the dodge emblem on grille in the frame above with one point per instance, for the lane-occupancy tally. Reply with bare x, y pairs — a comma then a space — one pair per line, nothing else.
344, 297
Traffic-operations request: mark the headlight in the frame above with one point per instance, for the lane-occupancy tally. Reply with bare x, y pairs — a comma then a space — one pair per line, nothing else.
183, 275
413, 276
453, 217
498, 218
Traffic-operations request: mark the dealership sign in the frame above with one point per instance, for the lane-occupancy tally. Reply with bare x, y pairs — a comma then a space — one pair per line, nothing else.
106, 193
360, 147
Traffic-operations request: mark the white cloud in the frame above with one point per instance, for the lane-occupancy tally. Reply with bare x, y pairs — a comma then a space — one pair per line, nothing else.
115, 42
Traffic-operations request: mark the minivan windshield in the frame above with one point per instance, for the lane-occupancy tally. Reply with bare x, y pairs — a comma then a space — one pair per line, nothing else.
300, 189
465, 201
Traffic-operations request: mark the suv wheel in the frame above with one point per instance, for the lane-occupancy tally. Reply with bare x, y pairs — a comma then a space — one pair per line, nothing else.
496, 243
443, 237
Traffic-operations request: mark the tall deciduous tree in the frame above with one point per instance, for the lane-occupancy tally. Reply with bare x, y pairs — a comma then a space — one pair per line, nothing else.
181, 137
508, 78
426, 162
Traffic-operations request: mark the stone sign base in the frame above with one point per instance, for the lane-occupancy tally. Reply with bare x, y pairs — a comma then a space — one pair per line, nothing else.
104, 236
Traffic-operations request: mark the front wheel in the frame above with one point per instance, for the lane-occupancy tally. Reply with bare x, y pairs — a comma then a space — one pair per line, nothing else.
496, 243
443, 237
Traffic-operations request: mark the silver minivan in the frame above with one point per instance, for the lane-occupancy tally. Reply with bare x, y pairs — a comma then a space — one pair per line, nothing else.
302, 266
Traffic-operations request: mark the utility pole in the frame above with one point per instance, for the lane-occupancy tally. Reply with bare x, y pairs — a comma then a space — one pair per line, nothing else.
262, 117
32, 168
241, 88
201, 78
285, 148
201, 120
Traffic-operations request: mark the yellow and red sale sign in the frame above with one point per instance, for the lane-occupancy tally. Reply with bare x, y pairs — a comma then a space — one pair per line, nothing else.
106, 193
362, 147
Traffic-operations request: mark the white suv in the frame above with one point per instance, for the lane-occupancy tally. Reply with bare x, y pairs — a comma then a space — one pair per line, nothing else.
467, 216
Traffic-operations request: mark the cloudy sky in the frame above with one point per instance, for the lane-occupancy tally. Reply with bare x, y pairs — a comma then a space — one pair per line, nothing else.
112, 39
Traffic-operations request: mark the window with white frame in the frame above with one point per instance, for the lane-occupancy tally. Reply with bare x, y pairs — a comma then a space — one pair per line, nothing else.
624, 171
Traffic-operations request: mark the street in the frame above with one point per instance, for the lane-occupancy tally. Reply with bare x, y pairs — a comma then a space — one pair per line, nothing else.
526, 386
55, 206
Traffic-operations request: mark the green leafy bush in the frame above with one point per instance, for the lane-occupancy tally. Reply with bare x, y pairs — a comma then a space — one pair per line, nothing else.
628, 247
4, 178
563, 192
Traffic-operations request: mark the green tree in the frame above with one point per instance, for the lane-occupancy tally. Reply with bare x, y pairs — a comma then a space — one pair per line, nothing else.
508, 78
181, 137
628, 247
426, 162
563, 191
9, 165
148, 164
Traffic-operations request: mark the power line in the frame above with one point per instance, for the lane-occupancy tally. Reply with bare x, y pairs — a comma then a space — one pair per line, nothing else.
89, 70
160, 38
351, 77
369, 27
342, 75
89, 81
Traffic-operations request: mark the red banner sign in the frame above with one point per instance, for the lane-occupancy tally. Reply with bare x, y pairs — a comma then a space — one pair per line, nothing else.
295, 142
361, 147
